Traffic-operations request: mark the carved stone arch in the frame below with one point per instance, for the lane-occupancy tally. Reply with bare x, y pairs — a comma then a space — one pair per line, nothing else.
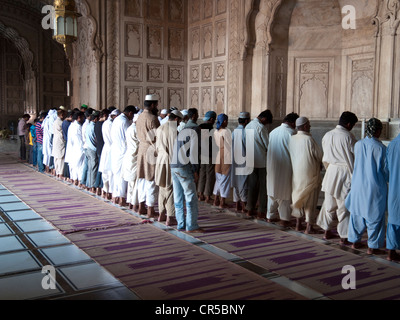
23, 47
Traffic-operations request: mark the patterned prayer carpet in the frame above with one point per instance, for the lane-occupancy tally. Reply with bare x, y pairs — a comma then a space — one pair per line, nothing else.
157, 265
153, 263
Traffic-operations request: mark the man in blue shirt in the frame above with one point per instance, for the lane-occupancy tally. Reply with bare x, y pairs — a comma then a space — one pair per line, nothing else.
367, 200
91, 152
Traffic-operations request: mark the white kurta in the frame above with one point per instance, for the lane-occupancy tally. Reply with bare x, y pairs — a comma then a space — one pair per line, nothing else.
118, 149
75, 154
279, 165
58, 140
47, 126
129, 165
104, 165
306, 158
338, 147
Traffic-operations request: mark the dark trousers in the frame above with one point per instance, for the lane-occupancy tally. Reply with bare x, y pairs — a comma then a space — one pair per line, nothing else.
22, 148
206, 179
257, 191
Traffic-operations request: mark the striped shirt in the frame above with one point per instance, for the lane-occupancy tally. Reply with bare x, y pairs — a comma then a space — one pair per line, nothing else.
39, 132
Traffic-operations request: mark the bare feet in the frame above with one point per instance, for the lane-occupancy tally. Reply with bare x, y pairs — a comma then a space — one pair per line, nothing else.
162, 217
299, 226
151, 213
328, 235
171, 221
216, 201
199, 230
393, 256
310, 229
142, 208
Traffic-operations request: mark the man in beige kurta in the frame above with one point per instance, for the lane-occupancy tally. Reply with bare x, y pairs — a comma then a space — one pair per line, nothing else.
338, 147
166, 136
59, 143
306, 158
146, 126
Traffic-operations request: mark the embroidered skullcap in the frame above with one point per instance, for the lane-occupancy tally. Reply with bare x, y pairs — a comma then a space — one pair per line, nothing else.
301, 121
373, 125
244, 115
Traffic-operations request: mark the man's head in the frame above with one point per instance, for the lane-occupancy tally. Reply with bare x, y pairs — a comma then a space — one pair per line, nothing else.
42, 116
104, 114
130, 112
84, 107
95, 116
265, 117
290, 119
175, 115
222, 121
151, 103
244, 118
193, 114
374, 128
303, 124
115, 114
210, 117
163, 113
348, 120
79, 117
62, 114
26, 117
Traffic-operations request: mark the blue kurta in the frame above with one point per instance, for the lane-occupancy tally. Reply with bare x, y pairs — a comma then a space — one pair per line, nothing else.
368, 195
393, 161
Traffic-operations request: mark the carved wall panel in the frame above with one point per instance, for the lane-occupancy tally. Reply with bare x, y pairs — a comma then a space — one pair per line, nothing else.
221, 7
206, 100
206, 73
314, 90
155, 72
176, 98
194, 73
208, 7
133, 71
194, 98
176, 74
220, 38
220, 71
361, 91
134, 8
207, 41
134, 96
194, 10
219, 97
195, 44
133, 40
176, 11
155, 42
176, 44
155, 9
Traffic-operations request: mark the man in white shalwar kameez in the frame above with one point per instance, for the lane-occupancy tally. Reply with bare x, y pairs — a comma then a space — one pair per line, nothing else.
279, 172
338, 148
75, 155
118, 149
239, 172
47, 126
105, 164
306, 158
59, 143
129, 165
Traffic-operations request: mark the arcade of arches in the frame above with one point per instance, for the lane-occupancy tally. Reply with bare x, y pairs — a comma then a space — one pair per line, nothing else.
225, 55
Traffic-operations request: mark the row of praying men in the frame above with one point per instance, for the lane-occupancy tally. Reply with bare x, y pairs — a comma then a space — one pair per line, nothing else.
131, 159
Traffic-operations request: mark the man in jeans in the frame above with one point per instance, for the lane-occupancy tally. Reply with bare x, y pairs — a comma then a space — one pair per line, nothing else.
184, 170
22, 133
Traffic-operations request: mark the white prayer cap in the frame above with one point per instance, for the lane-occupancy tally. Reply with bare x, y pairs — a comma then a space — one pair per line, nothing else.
151, 97
244, 115
116, 112
164, 111
62, 108
301, 121
177, 113
184, 112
